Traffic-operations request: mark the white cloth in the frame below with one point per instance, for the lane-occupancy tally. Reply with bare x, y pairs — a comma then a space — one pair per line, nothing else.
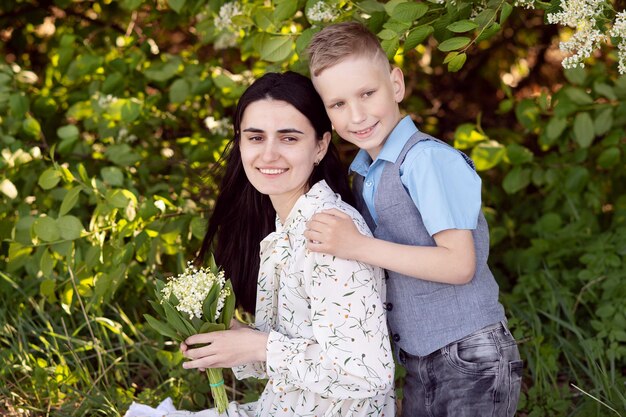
328, 351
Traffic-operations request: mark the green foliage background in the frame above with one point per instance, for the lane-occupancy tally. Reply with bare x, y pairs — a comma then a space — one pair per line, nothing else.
112, 114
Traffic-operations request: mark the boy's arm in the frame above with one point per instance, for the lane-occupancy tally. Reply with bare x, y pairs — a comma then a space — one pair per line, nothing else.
452, 261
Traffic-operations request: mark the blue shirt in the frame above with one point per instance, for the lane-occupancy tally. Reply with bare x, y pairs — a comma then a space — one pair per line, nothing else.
444, 188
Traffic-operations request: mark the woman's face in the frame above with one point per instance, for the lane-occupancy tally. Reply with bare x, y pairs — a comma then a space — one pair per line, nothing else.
278, 150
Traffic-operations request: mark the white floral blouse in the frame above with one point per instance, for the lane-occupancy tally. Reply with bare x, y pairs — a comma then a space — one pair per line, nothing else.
328, 351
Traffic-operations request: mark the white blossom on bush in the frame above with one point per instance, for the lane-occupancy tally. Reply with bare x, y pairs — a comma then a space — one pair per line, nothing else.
321, 12
224, 19
593, 27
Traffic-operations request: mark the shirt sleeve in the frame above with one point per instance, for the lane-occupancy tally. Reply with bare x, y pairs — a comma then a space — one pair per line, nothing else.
444, 188
250, 370
349, 355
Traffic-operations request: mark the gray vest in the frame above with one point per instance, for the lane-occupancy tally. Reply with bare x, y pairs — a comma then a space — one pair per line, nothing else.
423, 315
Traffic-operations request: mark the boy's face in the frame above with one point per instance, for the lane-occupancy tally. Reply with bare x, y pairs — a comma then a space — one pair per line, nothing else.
361, 97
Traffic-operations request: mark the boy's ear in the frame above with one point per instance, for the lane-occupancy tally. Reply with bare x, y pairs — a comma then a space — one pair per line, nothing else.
397, 81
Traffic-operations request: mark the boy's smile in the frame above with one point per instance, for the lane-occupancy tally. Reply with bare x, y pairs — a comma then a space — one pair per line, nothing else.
361, 97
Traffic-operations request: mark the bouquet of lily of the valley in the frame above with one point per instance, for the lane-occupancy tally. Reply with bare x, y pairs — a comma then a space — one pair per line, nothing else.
200, 300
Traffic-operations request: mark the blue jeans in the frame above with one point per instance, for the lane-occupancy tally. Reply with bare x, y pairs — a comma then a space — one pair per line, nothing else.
479, 375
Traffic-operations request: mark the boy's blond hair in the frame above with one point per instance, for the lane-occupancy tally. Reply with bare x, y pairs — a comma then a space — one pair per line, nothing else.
339, 41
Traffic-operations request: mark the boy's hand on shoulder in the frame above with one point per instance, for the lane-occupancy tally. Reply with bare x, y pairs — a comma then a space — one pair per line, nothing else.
333, 232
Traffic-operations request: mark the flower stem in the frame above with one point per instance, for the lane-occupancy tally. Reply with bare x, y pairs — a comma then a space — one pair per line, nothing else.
218, 391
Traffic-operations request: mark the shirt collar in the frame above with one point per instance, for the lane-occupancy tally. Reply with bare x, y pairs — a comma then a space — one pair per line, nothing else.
391, 149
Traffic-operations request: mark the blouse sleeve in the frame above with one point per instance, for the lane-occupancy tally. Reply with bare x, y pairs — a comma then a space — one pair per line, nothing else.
349, 355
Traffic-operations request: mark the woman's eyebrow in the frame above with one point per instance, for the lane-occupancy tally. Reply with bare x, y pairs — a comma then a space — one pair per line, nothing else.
287, 130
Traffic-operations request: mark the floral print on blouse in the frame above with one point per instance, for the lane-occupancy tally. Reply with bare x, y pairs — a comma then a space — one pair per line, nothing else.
328, 351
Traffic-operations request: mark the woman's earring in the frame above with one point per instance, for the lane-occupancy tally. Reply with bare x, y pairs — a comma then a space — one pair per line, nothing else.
316, 163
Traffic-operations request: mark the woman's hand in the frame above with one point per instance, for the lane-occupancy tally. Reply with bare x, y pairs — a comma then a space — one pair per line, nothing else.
225, 349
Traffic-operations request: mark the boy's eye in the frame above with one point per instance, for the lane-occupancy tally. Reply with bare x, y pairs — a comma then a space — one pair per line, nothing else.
337, 105
369, 93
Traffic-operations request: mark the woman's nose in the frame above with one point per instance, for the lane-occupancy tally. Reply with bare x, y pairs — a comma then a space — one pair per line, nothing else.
270, 150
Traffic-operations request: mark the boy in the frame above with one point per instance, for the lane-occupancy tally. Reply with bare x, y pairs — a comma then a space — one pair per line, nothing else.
421, 199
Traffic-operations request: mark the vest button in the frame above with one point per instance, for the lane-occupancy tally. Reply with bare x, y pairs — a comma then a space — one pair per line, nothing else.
388, 306
396, 337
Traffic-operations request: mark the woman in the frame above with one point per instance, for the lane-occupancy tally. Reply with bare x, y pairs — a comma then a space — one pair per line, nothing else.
320, 335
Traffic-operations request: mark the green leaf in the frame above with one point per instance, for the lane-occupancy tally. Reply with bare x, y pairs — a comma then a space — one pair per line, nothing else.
457, 62
505, 12
516, 180
518, 154
276, 48
387, 34
163, 71
485, 18
70, 200
453, 43
555, 127
609, 157
46, 263
603, 121
69, 227
211, 327
466, 136
583, 130
576, 179
488, 32
284, 9
158, 308
604, 90
527, 113
49, 178
209, 306
176, 320
462, 26
31, 127
487, 154
390, 46
122, 155
112, 176
162, 328
46, 229
176, 5
179, 91
578, 96
19, 105
417, 36
371, 6
68, 133
409, 11
576, 75
198, 227
229, 305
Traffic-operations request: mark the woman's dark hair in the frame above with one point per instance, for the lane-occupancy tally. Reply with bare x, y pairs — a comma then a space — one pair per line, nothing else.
242, 216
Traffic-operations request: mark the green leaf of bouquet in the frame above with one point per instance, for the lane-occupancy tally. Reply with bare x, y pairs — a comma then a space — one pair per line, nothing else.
229, 305
209, 307
158, 308
211, 327
162, 328
175, 320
